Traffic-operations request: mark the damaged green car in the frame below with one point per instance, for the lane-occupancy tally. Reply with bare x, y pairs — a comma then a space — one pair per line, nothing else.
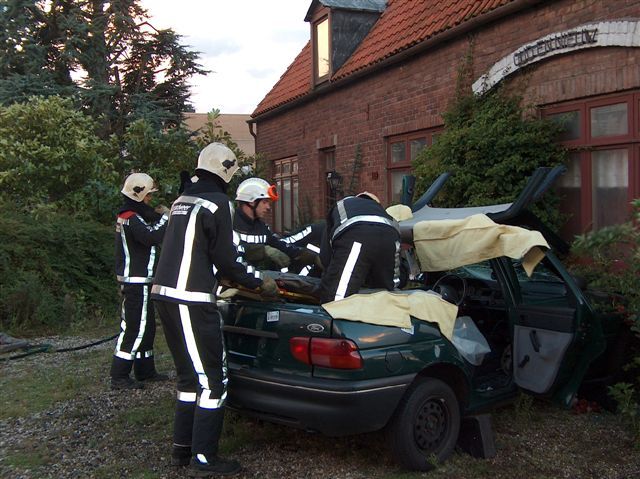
293, 363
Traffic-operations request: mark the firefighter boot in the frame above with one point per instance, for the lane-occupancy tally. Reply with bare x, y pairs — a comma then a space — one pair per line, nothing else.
120, 369
144, 369
183, 429
207, 428
202, 466
180, 455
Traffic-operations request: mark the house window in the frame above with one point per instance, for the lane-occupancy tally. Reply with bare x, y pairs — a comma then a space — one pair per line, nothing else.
401, 151
328, 159
602, 136
286, 208
322, 64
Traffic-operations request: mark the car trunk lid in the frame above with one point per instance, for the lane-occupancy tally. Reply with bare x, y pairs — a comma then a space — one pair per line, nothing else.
258, 334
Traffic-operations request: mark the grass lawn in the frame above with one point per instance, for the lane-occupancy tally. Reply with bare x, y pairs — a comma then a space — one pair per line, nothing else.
59, 419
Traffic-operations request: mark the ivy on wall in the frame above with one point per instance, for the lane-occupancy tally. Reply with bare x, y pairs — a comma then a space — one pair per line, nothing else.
491, 144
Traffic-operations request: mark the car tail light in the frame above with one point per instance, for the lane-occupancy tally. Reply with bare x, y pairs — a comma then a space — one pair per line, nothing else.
326, 352
300, 349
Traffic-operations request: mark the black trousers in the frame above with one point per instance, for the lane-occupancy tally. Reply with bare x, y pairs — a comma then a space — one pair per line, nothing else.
194, 336
134, 347
363, 256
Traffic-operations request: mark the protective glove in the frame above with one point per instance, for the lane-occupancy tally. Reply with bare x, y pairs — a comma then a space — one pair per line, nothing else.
269, 288
162, 209
253, 252
277, 257
308, 257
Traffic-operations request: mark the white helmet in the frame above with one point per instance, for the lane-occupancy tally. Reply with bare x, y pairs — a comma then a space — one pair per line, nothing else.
218, 159
253, 189
137, 186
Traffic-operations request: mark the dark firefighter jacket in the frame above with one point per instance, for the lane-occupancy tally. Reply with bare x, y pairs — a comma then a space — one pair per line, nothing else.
255, 231
308, 237
139, 230
348, 212
198, 246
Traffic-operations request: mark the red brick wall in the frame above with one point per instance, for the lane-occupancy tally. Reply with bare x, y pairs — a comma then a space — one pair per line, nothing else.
410, 96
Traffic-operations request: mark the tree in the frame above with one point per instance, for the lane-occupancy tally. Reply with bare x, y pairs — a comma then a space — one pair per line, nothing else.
160, 153
51, 155
29, 59
103, 53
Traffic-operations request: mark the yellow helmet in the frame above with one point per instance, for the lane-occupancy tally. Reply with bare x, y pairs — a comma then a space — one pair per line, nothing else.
371, 196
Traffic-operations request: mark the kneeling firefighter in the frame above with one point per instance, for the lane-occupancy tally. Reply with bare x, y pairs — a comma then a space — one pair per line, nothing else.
258, 245
139, 232
360, 248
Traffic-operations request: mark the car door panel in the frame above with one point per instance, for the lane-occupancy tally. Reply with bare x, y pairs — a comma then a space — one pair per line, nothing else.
538, 355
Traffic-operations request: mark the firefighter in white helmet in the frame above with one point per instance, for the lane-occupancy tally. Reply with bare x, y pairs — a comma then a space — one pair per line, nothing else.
139, 232
198, 247
258, 245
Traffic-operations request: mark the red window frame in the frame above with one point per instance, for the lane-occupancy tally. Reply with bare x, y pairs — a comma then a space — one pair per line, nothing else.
584, 147
406, 164
285, 210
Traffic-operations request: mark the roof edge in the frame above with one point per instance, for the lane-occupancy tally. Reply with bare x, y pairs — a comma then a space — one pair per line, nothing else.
354, 5
435, 40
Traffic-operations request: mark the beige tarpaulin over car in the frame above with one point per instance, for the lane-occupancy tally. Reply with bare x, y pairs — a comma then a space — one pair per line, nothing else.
446, 244
442, 245
386, 308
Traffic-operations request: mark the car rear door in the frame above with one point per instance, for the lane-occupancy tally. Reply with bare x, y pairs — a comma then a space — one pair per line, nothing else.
555, 333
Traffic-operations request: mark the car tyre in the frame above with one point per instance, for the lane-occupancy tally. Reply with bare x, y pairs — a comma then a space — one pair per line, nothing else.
425, 426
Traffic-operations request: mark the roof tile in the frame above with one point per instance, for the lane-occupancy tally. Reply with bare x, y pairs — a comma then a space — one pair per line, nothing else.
404, 23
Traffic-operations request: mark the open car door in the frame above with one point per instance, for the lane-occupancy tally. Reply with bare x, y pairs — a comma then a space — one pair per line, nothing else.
556, 336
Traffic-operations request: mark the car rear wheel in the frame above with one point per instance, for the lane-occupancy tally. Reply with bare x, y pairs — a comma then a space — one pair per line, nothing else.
425, 426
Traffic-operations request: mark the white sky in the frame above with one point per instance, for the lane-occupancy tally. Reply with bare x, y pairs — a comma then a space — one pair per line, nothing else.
247, 45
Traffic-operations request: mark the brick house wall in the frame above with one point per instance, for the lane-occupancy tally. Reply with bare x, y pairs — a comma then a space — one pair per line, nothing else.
411, 95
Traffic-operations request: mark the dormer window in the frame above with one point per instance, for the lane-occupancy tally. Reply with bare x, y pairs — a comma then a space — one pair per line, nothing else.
337, 28
322, 57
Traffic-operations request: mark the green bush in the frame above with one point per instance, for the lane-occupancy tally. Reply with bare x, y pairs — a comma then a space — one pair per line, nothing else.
609, 261
55, 272
160, 154
50, 156
59, 188
491, 145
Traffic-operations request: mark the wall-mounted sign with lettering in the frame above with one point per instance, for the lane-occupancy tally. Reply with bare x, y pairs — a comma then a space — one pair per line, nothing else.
622, 33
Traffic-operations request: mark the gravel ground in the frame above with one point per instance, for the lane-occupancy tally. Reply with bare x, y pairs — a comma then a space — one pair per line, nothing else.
76, 439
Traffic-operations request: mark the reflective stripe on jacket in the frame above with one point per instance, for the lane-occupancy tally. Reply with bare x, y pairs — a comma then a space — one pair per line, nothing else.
136, 247
351, 210
197, 247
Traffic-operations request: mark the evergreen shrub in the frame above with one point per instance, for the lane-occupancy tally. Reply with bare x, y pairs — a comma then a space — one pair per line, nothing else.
56, 272
491, 144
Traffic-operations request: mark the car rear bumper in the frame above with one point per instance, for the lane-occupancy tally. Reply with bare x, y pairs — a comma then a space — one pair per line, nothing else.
332, 407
